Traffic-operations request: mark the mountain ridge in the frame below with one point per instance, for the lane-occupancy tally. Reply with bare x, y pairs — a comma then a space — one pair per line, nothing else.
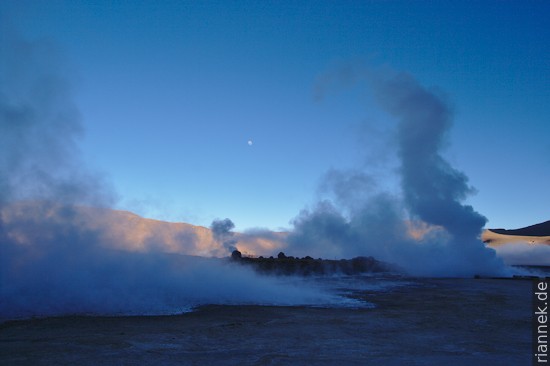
540, 229
126, 230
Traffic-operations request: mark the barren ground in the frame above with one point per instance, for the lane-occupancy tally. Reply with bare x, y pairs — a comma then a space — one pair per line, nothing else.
432, 322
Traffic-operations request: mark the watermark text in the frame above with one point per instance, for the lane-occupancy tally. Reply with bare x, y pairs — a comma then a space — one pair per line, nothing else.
540, 321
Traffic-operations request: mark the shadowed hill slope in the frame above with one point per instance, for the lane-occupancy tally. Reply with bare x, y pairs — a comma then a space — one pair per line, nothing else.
542, 229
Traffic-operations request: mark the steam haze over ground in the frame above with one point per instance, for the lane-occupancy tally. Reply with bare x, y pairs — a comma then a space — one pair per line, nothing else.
57, 258
52, 261
432, 193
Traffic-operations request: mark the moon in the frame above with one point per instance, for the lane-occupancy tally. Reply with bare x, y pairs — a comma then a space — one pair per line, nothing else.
249, 142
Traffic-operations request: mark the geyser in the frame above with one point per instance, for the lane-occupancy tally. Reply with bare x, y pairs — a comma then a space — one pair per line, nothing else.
362, 220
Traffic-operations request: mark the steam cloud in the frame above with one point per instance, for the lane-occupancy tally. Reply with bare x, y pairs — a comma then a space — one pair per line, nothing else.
524, 254
52, 262
221, 230
359, 219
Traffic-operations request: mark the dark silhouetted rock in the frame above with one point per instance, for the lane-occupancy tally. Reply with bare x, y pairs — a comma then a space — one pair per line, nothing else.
307, 266
236, 254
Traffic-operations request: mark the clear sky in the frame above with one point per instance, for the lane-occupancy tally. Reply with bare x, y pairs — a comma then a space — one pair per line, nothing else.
170, 93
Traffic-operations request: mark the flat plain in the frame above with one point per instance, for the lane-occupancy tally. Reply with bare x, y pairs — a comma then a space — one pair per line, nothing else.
424, 321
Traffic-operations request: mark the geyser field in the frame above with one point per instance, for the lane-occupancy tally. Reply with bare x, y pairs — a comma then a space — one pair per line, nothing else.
412, 322
83, 284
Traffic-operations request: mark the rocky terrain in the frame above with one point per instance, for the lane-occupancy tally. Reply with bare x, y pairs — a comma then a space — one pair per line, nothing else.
307, 266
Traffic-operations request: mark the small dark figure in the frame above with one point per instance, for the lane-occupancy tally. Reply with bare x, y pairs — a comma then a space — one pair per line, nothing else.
281, 255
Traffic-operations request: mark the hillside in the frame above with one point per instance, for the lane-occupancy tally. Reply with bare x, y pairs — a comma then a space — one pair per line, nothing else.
534, 234
542, 229
29, 221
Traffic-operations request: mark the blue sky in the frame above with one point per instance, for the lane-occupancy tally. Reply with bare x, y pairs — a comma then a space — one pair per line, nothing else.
170, 92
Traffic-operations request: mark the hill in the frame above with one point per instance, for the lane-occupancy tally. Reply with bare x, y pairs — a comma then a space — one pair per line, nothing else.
542, 229
534, 234
30, 220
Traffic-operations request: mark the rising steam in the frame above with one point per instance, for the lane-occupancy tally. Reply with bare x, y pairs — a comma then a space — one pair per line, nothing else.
52, 260
362, 220
221, 230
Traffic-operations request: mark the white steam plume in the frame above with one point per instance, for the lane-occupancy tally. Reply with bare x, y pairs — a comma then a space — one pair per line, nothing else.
53, 264
361, 220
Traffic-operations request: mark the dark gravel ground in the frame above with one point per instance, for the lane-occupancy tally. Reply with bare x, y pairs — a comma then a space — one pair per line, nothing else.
429, 322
